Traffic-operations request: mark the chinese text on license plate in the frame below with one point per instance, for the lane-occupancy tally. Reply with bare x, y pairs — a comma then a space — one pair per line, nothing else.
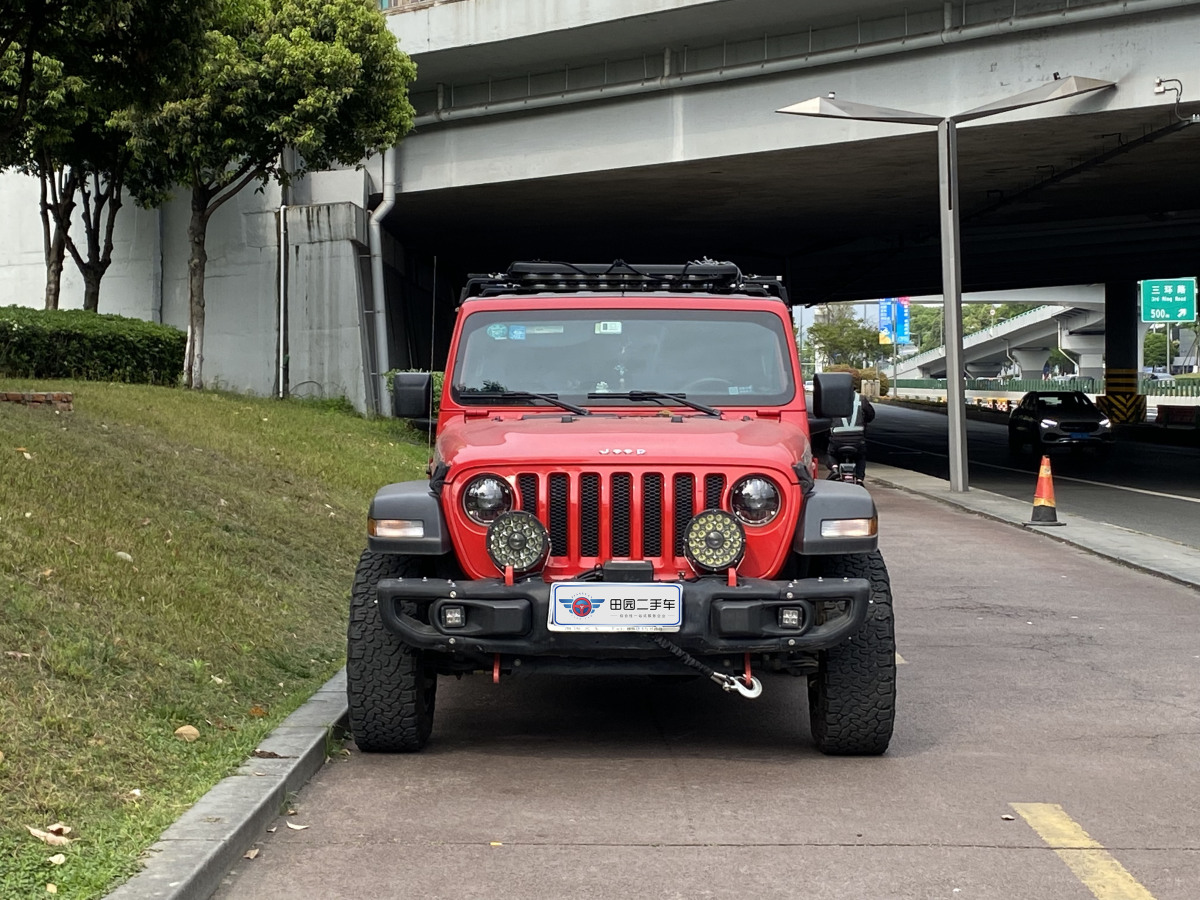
609, 606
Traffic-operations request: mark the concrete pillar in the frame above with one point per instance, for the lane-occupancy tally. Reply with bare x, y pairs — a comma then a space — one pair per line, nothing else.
1031, 360
1088, 350
1122, 353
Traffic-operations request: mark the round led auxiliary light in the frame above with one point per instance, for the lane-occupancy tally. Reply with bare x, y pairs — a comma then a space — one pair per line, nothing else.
714, 541
519, 540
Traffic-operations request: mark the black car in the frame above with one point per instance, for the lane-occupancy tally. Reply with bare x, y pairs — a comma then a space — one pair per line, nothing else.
1047, 419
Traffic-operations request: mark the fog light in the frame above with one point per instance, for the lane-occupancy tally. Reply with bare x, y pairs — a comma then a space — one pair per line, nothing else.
789, 618
453, 617
714, 541
519, 540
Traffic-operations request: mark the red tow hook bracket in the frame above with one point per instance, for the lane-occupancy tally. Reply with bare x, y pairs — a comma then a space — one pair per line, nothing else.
496, 669
732, 577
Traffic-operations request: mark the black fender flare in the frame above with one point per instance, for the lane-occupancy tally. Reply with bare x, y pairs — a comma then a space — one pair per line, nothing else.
410, 501
830, 500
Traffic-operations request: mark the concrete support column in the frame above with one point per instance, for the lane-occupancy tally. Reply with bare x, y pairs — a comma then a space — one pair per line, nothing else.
1088, 349
1122, 353
1031, 360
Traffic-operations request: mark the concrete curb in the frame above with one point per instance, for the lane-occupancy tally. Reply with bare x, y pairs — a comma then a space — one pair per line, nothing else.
197, 851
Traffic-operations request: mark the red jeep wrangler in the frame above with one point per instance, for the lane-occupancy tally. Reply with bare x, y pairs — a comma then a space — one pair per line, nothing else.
623, 482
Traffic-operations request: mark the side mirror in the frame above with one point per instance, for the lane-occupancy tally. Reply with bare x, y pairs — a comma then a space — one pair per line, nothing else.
833, 395
412, 396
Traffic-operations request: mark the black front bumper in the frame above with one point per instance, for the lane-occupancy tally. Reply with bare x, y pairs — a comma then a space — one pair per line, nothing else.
717, 618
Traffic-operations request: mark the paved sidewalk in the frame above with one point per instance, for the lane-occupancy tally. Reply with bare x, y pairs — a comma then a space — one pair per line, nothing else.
195, 853
1157, 556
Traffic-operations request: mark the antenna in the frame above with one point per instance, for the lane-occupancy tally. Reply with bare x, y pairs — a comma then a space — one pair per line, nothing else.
432, 350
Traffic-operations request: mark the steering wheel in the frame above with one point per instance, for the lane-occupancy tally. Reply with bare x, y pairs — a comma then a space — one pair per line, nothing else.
708, 386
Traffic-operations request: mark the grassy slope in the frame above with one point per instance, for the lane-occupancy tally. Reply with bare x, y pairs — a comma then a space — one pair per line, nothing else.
244, 518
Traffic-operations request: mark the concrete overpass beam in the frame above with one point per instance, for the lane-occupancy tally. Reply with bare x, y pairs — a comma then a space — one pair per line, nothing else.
983, 369
1031, 360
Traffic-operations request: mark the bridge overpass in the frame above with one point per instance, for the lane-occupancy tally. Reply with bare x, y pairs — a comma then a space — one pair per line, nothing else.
1072, 319
647, 130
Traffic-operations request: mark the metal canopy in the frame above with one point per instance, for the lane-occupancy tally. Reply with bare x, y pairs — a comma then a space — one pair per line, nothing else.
831, 108
1051, 90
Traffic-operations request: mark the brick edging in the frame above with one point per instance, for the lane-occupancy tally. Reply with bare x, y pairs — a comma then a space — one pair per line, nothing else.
63, 401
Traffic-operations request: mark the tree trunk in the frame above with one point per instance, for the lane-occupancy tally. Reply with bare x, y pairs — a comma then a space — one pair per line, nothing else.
98, 228
57, 207
197, 260
56, 250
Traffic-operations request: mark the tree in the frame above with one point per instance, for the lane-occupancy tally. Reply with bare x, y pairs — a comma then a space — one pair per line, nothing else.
925, 326
53, 113
323, 76
843, 339
94, 61
1154, 349
24, 27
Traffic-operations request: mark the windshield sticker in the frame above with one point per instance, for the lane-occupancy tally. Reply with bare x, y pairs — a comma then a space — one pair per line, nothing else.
545, 329
608, 328
498, 332
516, 332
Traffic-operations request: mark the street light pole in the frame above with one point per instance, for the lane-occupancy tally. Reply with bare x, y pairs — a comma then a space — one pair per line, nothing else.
956, 394
949, 215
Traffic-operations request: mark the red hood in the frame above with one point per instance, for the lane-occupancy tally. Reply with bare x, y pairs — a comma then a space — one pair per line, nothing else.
651, 440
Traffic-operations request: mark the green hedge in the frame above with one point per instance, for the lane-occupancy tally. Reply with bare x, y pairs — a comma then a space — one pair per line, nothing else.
71, 343
858, 375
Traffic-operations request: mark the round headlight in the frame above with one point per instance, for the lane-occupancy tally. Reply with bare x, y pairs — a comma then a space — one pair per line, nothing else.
486, 497
714, 541
519, 540
755, 499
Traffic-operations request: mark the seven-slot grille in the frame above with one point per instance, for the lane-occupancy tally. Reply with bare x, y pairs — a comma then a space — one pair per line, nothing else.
638, 524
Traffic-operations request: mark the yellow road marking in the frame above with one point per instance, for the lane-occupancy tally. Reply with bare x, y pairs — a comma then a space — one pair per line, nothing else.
1106, 878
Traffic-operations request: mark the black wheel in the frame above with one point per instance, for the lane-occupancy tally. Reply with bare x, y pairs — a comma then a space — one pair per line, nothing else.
389, 687
852, 697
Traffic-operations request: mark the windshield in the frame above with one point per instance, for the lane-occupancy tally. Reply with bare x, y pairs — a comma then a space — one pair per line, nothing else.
711, 356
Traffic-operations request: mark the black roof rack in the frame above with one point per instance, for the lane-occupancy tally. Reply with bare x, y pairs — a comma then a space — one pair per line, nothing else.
705, 276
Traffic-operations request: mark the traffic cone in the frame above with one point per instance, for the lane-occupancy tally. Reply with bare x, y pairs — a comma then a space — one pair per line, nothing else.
1043, 498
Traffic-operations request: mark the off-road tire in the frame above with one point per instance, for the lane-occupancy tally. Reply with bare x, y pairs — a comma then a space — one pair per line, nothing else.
852, 696
390, 689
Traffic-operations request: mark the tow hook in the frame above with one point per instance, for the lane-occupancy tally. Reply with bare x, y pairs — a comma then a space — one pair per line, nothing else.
748, 689
736, 683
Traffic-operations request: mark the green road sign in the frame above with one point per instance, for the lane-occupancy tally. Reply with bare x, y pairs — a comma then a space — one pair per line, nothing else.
1169, 300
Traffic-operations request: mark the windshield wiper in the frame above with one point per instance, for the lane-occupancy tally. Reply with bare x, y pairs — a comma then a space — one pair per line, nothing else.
530, 395
661, 397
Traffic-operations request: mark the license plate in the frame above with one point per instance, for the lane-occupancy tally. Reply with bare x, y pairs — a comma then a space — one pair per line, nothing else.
1080, 435
610, 606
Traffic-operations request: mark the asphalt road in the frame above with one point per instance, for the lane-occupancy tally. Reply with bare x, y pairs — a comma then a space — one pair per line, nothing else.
1033, 673
1144, 487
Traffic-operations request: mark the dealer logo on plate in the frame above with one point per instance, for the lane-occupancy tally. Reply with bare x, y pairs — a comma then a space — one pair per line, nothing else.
581, 606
